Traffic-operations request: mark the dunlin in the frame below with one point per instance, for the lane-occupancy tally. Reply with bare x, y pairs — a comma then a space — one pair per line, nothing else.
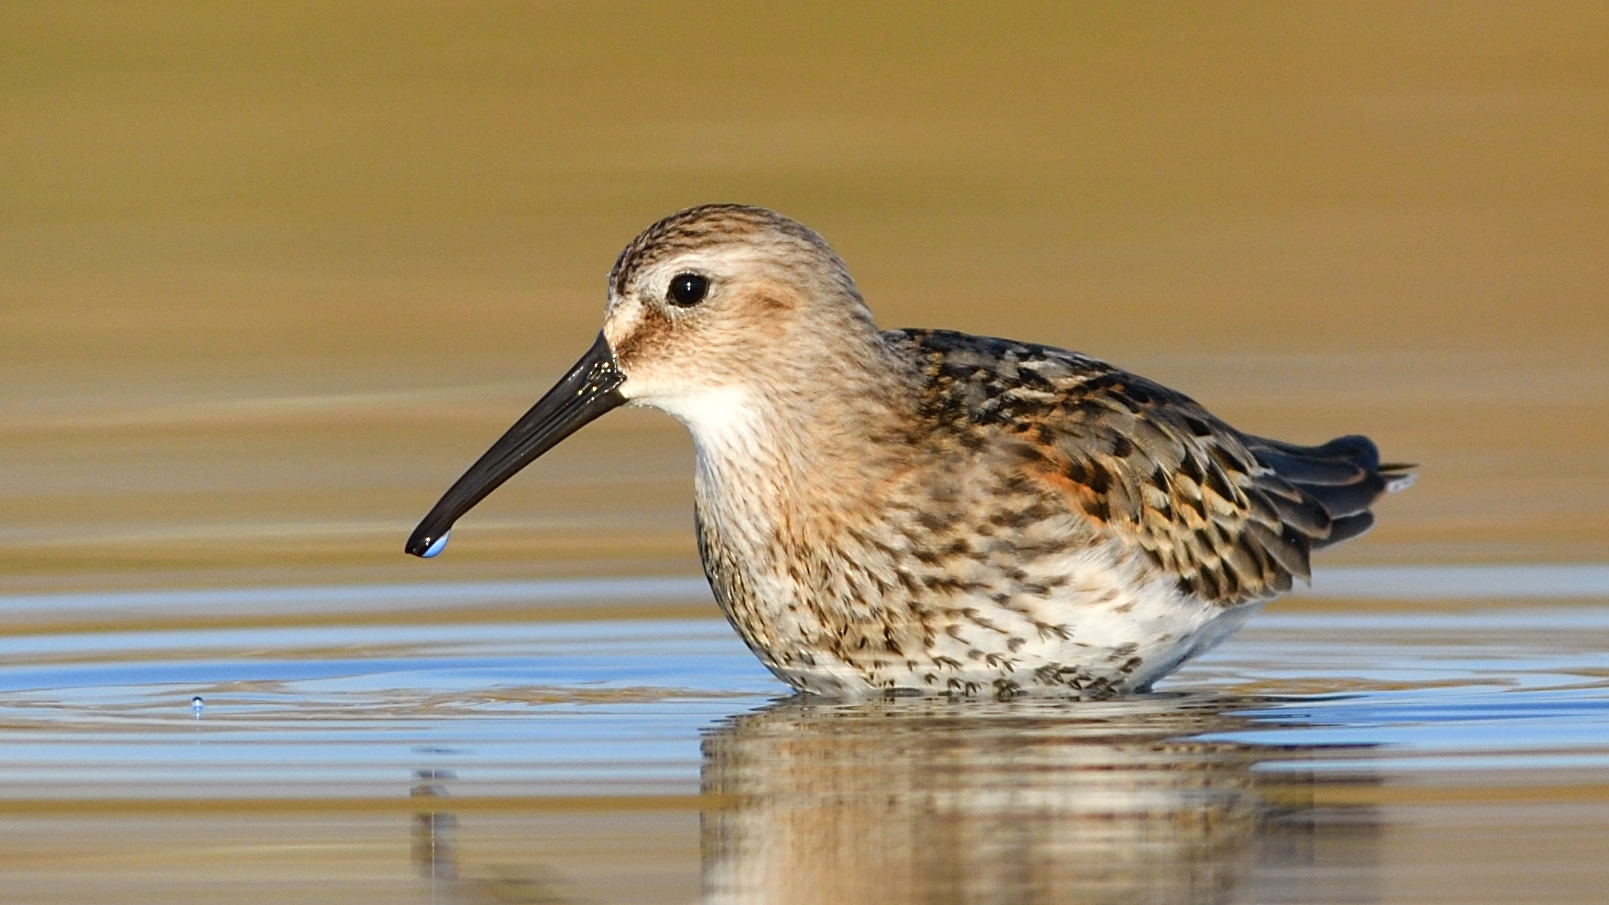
929, 511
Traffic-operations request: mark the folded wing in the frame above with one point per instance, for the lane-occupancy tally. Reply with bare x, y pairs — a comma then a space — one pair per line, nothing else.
1230, 516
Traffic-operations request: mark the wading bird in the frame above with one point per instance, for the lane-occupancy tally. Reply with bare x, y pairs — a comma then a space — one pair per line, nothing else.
930, 511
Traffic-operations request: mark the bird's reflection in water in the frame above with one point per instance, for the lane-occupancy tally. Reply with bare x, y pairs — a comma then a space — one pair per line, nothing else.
433, 853
913, 800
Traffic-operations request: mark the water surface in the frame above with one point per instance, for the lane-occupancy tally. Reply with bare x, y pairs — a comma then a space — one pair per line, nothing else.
433, 749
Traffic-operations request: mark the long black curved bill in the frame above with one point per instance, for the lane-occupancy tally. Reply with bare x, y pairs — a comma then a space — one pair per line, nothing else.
591, 388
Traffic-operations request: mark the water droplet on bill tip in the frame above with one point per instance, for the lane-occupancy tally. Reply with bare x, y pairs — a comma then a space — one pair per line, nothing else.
437, 545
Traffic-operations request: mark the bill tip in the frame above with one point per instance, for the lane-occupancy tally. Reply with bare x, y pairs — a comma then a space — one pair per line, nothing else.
437, 545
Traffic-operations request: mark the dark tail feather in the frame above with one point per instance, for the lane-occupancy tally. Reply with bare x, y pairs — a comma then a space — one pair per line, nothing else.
1306, 468
1343, 478
1347, 528
1345, 500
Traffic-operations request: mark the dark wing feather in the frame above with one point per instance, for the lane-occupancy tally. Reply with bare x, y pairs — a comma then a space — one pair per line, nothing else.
1230, 516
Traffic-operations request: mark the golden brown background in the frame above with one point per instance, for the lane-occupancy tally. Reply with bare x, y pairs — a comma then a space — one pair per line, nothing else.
271, 275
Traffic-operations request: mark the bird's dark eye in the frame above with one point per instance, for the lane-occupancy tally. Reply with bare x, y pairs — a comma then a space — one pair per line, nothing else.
687, 290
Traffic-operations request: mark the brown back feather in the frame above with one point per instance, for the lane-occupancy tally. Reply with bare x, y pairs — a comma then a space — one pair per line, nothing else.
1230, 516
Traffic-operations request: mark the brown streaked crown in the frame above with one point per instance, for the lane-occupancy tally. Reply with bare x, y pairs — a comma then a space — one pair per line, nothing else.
707, 225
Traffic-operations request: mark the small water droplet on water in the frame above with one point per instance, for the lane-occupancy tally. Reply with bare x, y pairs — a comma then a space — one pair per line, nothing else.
437, 545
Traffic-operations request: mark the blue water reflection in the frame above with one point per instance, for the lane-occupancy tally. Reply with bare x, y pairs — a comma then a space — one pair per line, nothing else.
573, 707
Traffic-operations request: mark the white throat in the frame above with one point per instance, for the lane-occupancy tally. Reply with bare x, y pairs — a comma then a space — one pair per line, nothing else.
724, 421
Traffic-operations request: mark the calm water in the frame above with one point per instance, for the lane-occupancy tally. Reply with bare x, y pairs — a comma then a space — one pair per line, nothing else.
406, 744
272, 275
